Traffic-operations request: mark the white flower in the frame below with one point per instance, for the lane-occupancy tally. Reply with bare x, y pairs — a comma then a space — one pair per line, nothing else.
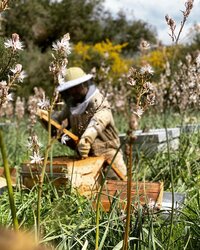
151, 203
9, 97
61, 79
14, 43
193, 98
3, 83
52, 67
33, 142
106, 55
63, 45
131, 82
144, 45
64, 138
17, 69
63, 70
43, 103
36, 158
191, 84
29, 144
151, 99
146, 69
139, 111
21, 76
198, 60
148, 86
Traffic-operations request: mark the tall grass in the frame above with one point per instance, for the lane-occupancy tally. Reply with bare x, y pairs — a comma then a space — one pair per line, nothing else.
68, 220
153, 120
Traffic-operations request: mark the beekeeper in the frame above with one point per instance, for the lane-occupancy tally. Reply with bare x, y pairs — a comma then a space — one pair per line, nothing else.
89, 117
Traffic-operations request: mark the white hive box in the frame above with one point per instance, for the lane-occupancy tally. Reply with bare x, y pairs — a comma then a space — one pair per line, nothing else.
155, 140
190, 128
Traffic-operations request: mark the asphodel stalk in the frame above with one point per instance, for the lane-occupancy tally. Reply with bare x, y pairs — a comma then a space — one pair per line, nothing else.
9, 182
41, 178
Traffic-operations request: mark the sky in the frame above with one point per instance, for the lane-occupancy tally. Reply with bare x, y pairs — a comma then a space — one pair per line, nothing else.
154, 11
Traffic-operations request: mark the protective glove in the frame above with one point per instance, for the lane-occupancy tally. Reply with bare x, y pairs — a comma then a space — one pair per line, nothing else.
84, 147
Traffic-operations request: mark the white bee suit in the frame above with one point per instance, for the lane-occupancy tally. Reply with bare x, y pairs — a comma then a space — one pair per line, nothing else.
93, 123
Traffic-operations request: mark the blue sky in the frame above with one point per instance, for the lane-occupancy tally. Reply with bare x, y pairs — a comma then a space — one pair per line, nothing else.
154, 11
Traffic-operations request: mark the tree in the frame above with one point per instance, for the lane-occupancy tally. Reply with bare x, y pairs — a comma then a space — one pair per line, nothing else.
30, 19
80, 18
121, 30
43, 21
39, 23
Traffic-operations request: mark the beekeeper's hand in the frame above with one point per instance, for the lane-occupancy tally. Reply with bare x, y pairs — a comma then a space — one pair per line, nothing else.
84, 147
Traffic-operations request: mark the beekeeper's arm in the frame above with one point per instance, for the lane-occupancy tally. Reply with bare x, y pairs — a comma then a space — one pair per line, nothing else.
97, 125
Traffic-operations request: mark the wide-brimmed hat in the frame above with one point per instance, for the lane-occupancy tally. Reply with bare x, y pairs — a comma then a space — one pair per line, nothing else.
74, 76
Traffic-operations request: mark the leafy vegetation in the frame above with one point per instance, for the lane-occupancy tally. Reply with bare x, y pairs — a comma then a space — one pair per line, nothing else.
109, 47
40, 23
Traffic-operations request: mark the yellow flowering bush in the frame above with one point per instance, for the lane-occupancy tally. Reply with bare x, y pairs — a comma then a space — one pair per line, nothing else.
81, 50
89, 56
157, 58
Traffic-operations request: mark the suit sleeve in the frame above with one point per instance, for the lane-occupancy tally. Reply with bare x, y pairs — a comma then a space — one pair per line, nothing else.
100, 120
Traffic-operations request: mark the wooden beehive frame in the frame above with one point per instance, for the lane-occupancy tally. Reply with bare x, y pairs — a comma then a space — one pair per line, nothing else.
144, 193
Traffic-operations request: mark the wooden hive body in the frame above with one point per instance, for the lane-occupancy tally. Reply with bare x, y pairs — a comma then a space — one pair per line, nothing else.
143, 193
84, 175
3, 182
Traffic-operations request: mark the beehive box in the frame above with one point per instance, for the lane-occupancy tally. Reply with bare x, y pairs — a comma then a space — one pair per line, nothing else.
155, 140
13, 174
190, 128
145, 193
84, 175
3, 183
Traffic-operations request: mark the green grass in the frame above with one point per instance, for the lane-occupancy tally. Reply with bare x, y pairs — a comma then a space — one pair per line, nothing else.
68, 220
154, 120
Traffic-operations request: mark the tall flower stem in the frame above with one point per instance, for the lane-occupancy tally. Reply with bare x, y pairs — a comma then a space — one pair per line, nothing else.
40, 184
172, 188
98, 203
129, 185
9, 183
41, 178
